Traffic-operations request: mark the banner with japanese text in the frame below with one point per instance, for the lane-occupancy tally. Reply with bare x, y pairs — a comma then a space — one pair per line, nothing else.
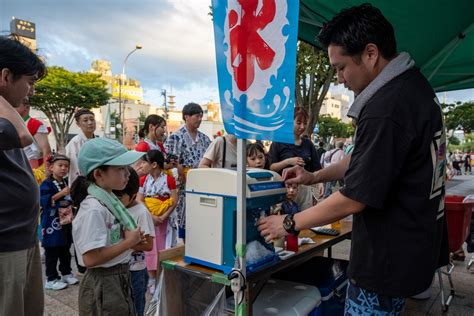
256, 58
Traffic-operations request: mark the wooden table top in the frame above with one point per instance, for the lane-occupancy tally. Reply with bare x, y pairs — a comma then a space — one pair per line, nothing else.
305, 252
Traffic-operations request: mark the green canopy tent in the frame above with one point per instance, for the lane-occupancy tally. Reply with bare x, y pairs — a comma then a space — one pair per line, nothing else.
438, 34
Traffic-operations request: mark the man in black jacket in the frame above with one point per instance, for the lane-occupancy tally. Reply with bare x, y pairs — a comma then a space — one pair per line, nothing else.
394, 178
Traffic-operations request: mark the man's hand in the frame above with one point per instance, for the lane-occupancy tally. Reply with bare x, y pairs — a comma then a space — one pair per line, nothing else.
170, 165
181, 175
298, 175
271, 227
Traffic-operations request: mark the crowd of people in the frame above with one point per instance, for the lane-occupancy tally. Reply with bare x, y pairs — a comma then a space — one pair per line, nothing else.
87, 193
118, 209
458, 160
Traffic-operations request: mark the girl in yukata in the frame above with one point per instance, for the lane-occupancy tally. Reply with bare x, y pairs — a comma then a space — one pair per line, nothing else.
158, 192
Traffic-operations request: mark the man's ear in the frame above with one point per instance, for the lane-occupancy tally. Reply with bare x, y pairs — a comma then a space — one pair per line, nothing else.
5, 77
371, 55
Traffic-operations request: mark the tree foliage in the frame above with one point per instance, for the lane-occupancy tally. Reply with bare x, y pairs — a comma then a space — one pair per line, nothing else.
454, 140
314, 74
459, 116
330, 126
62, 93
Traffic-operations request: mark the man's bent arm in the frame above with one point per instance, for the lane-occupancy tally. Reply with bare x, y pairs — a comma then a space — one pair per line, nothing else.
333, 172
333, 208
8, 112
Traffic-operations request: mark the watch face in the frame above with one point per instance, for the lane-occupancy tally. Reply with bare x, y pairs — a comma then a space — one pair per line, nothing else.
287, 223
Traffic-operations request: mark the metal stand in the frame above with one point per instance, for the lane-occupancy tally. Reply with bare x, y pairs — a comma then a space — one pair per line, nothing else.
445, 302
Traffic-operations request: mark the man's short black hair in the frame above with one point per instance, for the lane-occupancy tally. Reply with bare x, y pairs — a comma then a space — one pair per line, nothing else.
191, 109
81, 112
19, 59
355, 27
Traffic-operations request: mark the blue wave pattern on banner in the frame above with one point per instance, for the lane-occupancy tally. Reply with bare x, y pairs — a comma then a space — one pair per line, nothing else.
256, 60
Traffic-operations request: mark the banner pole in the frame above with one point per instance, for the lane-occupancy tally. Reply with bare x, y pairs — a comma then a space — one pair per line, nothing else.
238, 282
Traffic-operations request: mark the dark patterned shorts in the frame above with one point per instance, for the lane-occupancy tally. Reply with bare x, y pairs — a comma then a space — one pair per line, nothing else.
363, 302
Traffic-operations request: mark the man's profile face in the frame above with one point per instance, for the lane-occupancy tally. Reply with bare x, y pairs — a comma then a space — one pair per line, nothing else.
354, 75
15, 91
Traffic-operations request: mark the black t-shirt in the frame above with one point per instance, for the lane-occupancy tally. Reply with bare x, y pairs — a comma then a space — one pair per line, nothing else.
281, 151
397, 170
19, 193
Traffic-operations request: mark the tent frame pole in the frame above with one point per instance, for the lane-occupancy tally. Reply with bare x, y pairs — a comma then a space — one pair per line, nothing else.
447, 49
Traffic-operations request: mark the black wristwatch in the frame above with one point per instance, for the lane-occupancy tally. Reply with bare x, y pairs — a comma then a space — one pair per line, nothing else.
289, 225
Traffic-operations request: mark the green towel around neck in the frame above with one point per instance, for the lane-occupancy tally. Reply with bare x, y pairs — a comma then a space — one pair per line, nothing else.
114, 205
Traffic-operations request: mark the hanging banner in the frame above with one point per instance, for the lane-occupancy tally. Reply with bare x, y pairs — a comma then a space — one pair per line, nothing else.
256, 61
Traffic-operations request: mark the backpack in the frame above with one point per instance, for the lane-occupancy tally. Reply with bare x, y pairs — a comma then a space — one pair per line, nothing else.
327, 157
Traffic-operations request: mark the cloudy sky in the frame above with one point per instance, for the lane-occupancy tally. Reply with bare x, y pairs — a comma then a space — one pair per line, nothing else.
176, 35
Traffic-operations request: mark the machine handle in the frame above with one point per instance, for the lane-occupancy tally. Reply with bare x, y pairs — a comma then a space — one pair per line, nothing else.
208, 201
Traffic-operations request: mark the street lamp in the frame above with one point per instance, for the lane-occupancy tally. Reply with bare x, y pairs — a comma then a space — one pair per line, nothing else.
122, 76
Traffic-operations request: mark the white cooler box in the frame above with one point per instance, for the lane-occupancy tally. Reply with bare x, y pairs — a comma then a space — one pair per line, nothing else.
286, 298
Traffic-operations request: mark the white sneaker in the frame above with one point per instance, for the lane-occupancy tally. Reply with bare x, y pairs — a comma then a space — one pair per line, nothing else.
69, 279
55, 285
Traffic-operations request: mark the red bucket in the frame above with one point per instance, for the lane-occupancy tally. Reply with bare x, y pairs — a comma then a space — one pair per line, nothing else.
458, 217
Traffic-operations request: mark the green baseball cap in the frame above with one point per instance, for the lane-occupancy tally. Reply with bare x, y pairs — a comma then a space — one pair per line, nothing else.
102, 151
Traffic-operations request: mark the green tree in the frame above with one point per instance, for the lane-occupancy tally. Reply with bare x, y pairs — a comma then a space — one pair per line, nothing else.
314, 74
141, 120
62, 93
459, 115
330, 126
454, 140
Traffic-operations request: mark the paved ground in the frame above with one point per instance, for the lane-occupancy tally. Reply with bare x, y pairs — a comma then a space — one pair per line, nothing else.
64, 302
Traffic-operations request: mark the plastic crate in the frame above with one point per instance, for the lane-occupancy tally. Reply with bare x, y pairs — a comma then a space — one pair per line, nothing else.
329, 276
458, 217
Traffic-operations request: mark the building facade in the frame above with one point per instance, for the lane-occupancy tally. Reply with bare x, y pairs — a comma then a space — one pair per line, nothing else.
336, 106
